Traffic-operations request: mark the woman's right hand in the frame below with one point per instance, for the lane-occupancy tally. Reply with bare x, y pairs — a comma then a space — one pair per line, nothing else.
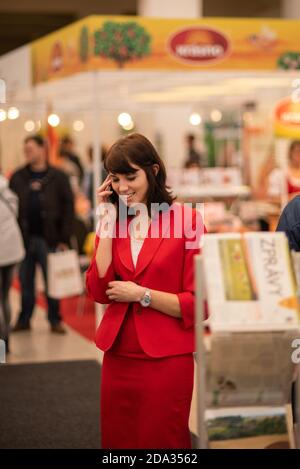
106, 213
104, 191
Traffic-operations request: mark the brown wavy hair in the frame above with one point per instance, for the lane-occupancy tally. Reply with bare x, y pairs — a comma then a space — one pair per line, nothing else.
138, 150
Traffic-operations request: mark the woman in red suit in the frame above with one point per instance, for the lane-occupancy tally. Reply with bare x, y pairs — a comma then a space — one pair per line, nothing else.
143, 270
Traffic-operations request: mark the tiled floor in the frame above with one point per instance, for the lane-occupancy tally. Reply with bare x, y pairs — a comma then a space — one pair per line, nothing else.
39, 344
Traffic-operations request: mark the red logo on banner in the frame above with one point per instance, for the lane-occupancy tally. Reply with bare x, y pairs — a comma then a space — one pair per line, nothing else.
199, 44
288, 113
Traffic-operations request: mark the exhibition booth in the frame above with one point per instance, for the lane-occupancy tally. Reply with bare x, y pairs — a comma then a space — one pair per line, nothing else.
234, 84
231, 83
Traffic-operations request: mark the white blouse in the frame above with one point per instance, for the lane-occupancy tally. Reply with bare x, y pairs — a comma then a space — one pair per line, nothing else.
136, 246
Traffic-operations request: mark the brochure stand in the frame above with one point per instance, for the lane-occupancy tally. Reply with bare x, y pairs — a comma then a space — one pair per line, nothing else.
202, 363
201, 354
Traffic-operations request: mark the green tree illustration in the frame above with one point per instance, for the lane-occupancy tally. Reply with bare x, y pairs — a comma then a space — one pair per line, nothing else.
84, 44
122, 42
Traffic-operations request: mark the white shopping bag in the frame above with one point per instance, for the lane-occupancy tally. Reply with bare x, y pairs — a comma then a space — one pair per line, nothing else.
64, 276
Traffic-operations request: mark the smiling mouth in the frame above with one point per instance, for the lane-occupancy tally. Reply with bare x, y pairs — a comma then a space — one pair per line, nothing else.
127, 196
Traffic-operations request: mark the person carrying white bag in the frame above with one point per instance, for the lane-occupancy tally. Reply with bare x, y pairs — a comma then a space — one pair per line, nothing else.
46, 219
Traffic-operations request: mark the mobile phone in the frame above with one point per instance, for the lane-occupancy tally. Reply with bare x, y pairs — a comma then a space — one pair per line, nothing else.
113, 198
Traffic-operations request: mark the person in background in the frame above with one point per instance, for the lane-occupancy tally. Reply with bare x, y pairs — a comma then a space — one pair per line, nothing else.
193, 159
289, 223
293, 170
46, 214
11, 253
82, 204
147, 331
70, 169
68, 152
88, 180
274, 182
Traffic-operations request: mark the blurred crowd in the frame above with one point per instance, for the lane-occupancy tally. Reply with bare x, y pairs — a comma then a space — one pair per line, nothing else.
45, 207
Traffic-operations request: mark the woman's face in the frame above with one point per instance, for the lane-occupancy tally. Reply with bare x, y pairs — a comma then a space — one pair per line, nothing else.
133, 187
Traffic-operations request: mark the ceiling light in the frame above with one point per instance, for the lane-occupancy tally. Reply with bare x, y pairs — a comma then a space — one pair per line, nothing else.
29, 126
195, 118
124, 119
53, 120
2, 115
13, 113
130, 126
216, 115
78, 126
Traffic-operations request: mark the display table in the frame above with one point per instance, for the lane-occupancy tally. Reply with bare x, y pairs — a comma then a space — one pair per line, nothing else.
216, 191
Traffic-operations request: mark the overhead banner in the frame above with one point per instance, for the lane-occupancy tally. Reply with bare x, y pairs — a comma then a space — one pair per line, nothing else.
138, 43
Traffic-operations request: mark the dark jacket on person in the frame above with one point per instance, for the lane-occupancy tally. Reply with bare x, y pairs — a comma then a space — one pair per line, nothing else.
56, 202
289, 222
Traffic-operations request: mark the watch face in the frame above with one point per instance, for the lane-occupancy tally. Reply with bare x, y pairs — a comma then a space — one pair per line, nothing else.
146, 300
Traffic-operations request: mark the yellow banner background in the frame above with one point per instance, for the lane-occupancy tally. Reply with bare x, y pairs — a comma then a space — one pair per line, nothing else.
254, 44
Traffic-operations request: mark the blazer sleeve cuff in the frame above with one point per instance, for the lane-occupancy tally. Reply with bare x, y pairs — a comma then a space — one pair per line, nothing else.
97, 286
187, 307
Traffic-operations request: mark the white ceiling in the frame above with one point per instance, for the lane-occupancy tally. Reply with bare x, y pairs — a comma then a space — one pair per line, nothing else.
135, 90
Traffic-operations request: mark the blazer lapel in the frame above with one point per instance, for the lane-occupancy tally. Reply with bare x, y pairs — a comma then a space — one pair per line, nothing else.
122, 243
160, 228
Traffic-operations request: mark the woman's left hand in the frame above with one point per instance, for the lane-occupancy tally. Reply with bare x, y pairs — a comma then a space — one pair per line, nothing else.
124, 291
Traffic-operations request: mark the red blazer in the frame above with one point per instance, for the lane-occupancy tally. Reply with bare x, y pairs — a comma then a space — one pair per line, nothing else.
163, 264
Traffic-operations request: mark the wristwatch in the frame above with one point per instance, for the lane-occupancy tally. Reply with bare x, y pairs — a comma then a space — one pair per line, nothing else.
146, 298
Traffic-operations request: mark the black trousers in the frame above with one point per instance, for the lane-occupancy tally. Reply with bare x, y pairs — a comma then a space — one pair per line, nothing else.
36, 253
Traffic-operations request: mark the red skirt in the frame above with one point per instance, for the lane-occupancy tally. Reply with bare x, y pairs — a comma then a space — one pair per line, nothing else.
145, 402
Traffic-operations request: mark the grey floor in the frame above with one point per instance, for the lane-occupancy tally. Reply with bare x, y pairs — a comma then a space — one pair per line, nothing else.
50, 405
